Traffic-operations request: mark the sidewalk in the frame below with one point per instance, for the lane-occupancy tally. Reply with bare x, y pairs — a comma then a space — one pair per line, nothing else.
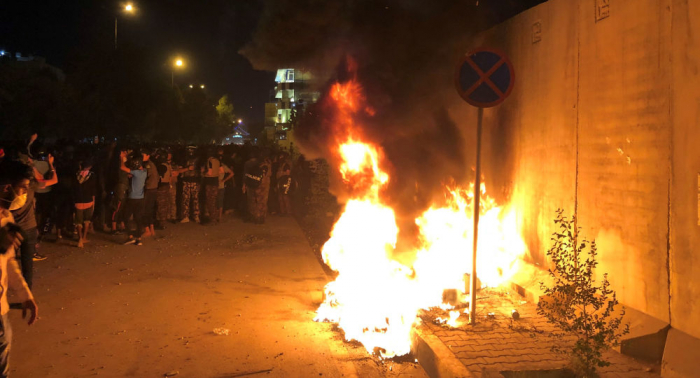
497, 343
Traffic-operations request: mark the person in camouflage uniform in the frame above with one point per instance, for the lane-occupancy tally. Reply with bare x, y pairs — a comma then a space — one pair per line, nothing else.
262, 193
256, 187
189, 176
285, 184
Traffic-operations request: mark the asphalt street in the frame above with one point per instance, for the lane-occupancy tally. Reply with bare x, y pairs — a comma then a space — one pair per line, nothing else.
222, 301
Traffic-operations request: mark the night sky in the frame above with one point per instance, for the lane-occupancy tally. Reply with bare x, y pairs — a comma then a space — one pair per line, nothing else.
208, 34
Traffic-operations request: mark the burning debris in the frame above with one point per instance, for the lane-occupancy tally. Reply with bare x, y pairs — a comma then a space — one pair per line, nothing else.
381, 286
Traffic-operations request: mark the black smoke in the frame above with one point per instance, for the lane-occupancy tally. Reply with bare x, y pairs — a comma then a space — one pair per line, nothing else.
406, 52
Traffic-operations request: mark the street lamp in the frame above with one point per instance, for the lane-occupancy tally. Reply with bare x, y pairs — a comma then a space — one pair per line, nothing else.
202, 86
191, 86
178, 63
240, 121
129, 9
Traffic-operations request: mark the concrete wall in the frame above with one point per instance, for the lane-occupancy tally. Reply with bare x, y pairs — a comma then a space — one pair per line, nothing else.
624, 146
604, 119
685, 114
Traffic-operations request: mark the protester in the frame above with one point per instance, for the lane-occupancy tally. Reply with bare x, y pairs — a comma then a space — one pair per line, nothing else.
151, 193
172, 203
163, 203
85, 191
225, 174
135, 201
118, 201
211, 184
45, 203
24, 215
15, 180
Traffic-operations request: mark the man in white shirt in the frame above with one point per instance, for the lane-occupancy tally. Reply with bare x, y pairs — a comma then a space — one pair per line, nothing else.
14, 181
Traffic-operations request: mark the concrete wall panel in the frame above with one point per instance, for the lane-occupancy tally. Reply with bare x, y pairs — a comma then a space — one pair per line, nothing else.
624, 146
685, 232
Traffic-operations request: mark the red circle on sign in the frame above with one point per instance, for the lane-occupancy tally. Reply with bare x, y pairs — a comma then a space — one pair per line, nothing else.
484, 78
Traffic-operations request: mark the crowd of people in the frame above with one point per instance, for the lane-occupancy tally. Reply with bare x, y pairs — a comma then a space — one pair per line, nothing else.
76, 189
67, 191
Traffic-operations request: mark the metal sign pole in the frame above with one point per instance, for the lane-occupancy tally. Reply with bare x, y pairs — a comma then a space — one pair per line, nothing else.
477, 194
484, 78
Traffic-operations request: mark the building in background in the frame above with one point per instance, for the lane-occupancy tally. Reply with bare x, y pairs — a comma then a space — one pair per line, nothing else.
295, 89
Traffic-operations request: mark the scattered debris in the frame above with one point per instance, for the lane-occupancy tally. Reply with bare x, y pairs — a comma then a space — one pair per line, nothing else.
515, 314
252, 373
171, 373
221, 331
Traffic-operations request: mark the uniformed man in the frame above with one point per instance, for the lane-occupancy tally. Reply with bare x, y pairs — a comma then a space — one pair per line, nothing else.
256, 186
190, 178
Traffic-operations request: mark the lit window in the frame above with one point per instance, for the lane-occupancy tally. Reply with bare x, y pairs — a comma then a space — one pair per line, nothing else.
290, 75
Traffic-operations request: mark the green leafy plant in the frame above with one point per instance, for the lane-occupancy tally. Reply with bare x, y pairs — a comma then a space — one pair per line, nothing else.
576, 303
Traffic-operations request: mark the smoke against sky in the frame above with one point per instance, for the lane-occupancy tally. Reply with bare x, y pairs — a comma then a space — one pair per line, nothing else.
405, 52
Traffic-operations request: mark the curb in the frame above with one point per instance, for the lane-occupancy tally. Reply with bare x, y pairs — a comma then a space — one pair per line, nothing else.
434, 357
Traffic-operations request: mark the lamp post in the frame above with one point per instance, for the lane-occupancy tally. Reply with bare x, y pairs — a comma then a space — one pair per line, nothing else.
129, 9
177, 64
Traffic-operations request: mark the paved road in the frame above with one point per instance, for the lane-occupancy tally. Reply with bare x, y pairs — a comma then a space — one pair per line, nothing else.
126, 311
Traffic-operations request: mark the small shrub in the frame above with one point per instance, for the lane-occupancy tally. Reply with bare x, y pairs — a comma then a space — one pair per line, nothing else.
575, 304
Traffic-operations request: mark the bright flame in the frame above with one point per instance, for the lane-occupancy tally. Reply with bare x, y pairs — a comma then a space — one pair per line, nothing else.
375, 299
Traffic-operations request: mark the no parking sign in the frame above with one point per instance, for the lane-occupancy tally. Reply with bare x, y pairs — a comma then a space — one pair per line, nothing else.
484, 77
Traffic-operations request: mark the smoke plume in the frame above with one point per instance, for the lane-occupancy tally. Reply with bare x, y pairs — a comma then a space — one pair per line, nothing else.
405, 52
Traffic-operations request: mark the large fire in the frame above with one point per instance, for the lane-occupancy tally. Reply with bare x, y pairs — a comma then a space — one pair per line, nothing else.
375, 299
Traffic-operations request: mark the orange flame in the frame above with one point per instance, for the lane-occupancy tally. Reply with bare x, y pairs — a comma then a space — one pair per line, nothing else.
375, 299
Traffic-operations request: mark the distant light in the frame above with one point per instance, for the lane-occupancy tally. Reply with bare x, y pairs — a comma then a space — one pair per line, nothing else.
240, 120
129, 8
178, 62
2, 52
191, 86
202, 86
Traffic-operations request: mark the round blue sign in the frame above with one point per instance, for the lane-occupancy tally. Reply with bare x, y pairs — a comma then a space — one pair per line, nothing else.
484, 78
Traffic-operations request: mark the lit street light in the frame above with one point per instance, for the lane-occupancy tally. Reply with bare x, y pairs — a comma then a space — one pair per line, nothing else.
191, 86
202, 86
178, 63
240, 121
129, 9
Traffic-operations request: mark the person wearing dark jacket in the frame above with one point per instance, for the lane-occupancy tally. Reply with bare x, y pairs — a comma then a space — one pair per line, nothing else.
84, 192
